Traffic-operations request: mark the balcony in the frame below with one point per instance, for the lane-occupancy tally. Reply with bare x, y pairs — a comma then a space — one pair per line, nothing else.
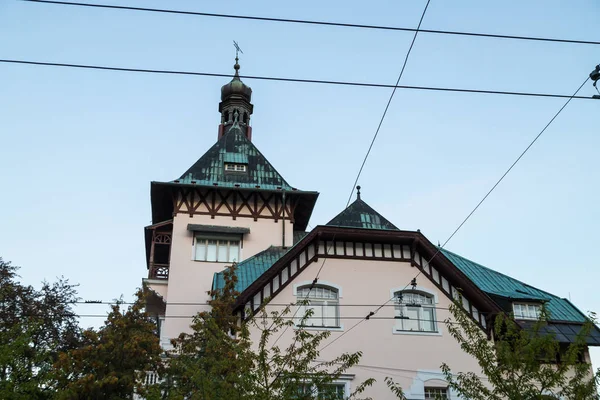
158, 271
158, 249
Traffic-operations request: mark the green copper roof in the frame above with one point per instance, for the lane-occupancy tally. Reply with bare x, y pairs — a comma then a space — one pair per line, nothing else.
250, 269
360, 215
495, 283
234, 147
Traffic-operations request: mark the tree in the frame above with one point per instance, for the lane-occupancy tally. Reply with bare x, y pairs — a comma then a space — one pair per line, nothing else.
219, 360
521, 363
35, 326
112, 361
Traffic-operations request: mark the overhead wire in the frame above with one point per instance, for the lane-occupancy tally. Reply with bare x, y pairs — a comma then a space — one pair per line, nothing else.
291, 80
362, 166
372, 313
387, 106
322, 23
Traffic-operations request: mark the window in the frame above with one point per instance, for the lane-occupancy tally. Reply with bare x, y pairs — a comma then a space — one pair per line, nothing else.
323, 300
527, 311
233, 167
415, 311
330, 391
434, 393
219, 250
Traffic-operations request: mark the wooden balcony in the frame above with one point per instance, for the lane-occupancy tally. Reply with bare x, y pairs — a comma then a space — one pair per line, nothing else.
158, 271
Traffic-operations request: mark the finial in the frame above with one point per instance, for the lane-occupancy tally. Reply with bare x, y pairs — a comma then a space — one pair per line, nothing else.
237, 65
358, 192
235, 117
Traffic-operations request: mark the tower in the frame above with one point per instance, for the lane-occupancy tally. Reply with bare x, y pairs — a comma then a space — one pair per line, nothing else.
235, 105
228, 206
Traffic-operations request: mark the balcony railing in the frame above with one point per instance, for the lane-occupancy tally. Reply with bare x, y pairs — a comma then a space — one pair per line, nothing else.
159, 271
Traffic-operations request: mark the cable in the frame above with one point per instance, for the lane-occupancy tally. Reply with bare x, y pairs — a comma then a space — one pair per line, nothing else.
323, 23
363, 163
387, 106
266, 305
361, 167
293, 80
371, 314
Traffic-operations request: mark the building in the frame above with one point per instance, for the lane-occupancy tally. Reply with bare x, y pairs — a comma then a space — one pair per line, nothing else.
233, 205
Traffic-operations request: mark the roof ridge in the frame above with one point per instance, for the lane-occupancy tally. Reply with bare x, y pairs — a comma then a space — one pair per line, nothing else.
500, 273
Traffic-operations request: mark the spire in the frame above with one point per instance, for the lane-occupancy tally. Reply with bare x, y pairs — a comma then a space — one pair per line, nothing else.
235, 98
236, 66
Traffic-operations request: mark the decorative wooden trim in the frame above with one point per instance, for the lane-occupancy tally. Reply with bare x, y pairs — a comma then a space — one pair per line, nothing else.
233, 203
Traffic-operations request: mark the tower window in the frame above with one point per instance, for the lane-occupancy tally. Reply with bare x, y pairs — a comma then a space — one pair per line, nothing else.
234, 167
217, 249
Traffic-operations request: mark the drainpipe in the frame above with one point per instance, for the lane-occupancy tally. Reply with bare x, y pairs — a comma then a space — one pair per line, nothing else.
283, 221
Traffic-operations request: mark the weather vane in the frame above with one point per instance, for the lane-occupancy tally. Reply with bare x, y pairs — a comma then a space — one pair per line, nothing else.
237, 49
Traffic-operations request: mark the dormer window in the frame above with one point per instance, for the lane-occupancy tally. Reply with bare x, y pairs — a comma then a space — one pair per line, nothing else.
236, 167
527, 310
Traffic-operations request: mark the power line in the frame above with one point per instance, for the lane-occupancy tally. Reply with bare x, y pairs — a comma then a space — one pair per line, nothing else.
371, 146
360, 170
387, 106
322, 23
292, 80
372, 313
364, 160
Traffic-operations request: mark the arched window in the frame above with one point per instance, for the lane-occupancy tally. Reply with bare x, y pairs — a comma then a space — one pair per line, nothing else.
415, 311
324, 303
245, 118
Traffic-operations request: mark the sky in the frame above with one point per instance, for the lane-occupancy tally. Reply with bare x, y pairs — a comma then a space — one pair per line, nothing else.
80, 147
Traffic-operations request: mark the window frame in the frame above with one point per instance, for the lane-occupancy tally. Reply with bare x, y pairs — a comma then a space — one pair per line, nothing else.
435, 389
537, 309
398, 328
235, 167
323, 302
228, 239
338, 382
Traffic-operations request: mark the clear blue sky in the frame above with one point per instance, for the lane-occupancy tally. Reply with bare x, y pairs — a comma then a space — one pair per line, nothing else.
80, 147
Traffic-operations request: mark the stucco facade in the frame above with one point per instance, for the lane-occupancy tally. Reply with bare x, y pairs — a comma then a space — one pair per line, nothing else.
413, 359
186, 291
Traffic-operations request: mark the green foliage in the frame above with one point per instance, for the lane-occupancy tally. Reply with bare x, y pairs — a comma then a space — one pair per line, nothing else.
111, 362
219, 360
35, 326
520, 364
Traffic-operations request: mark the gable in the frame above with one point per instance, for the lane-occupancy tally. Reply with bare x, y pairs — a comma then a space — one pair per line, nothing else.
365, 244
450, 273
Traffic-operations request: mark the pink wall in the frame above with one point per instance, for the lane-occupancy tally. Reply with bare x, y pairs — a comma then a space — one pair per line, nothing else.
189, 280
411, 358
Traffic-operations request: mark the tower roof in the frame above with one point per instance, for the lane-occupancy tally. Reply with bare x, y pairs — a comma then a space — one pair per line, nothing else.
234, 147
236, 86
360, 215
